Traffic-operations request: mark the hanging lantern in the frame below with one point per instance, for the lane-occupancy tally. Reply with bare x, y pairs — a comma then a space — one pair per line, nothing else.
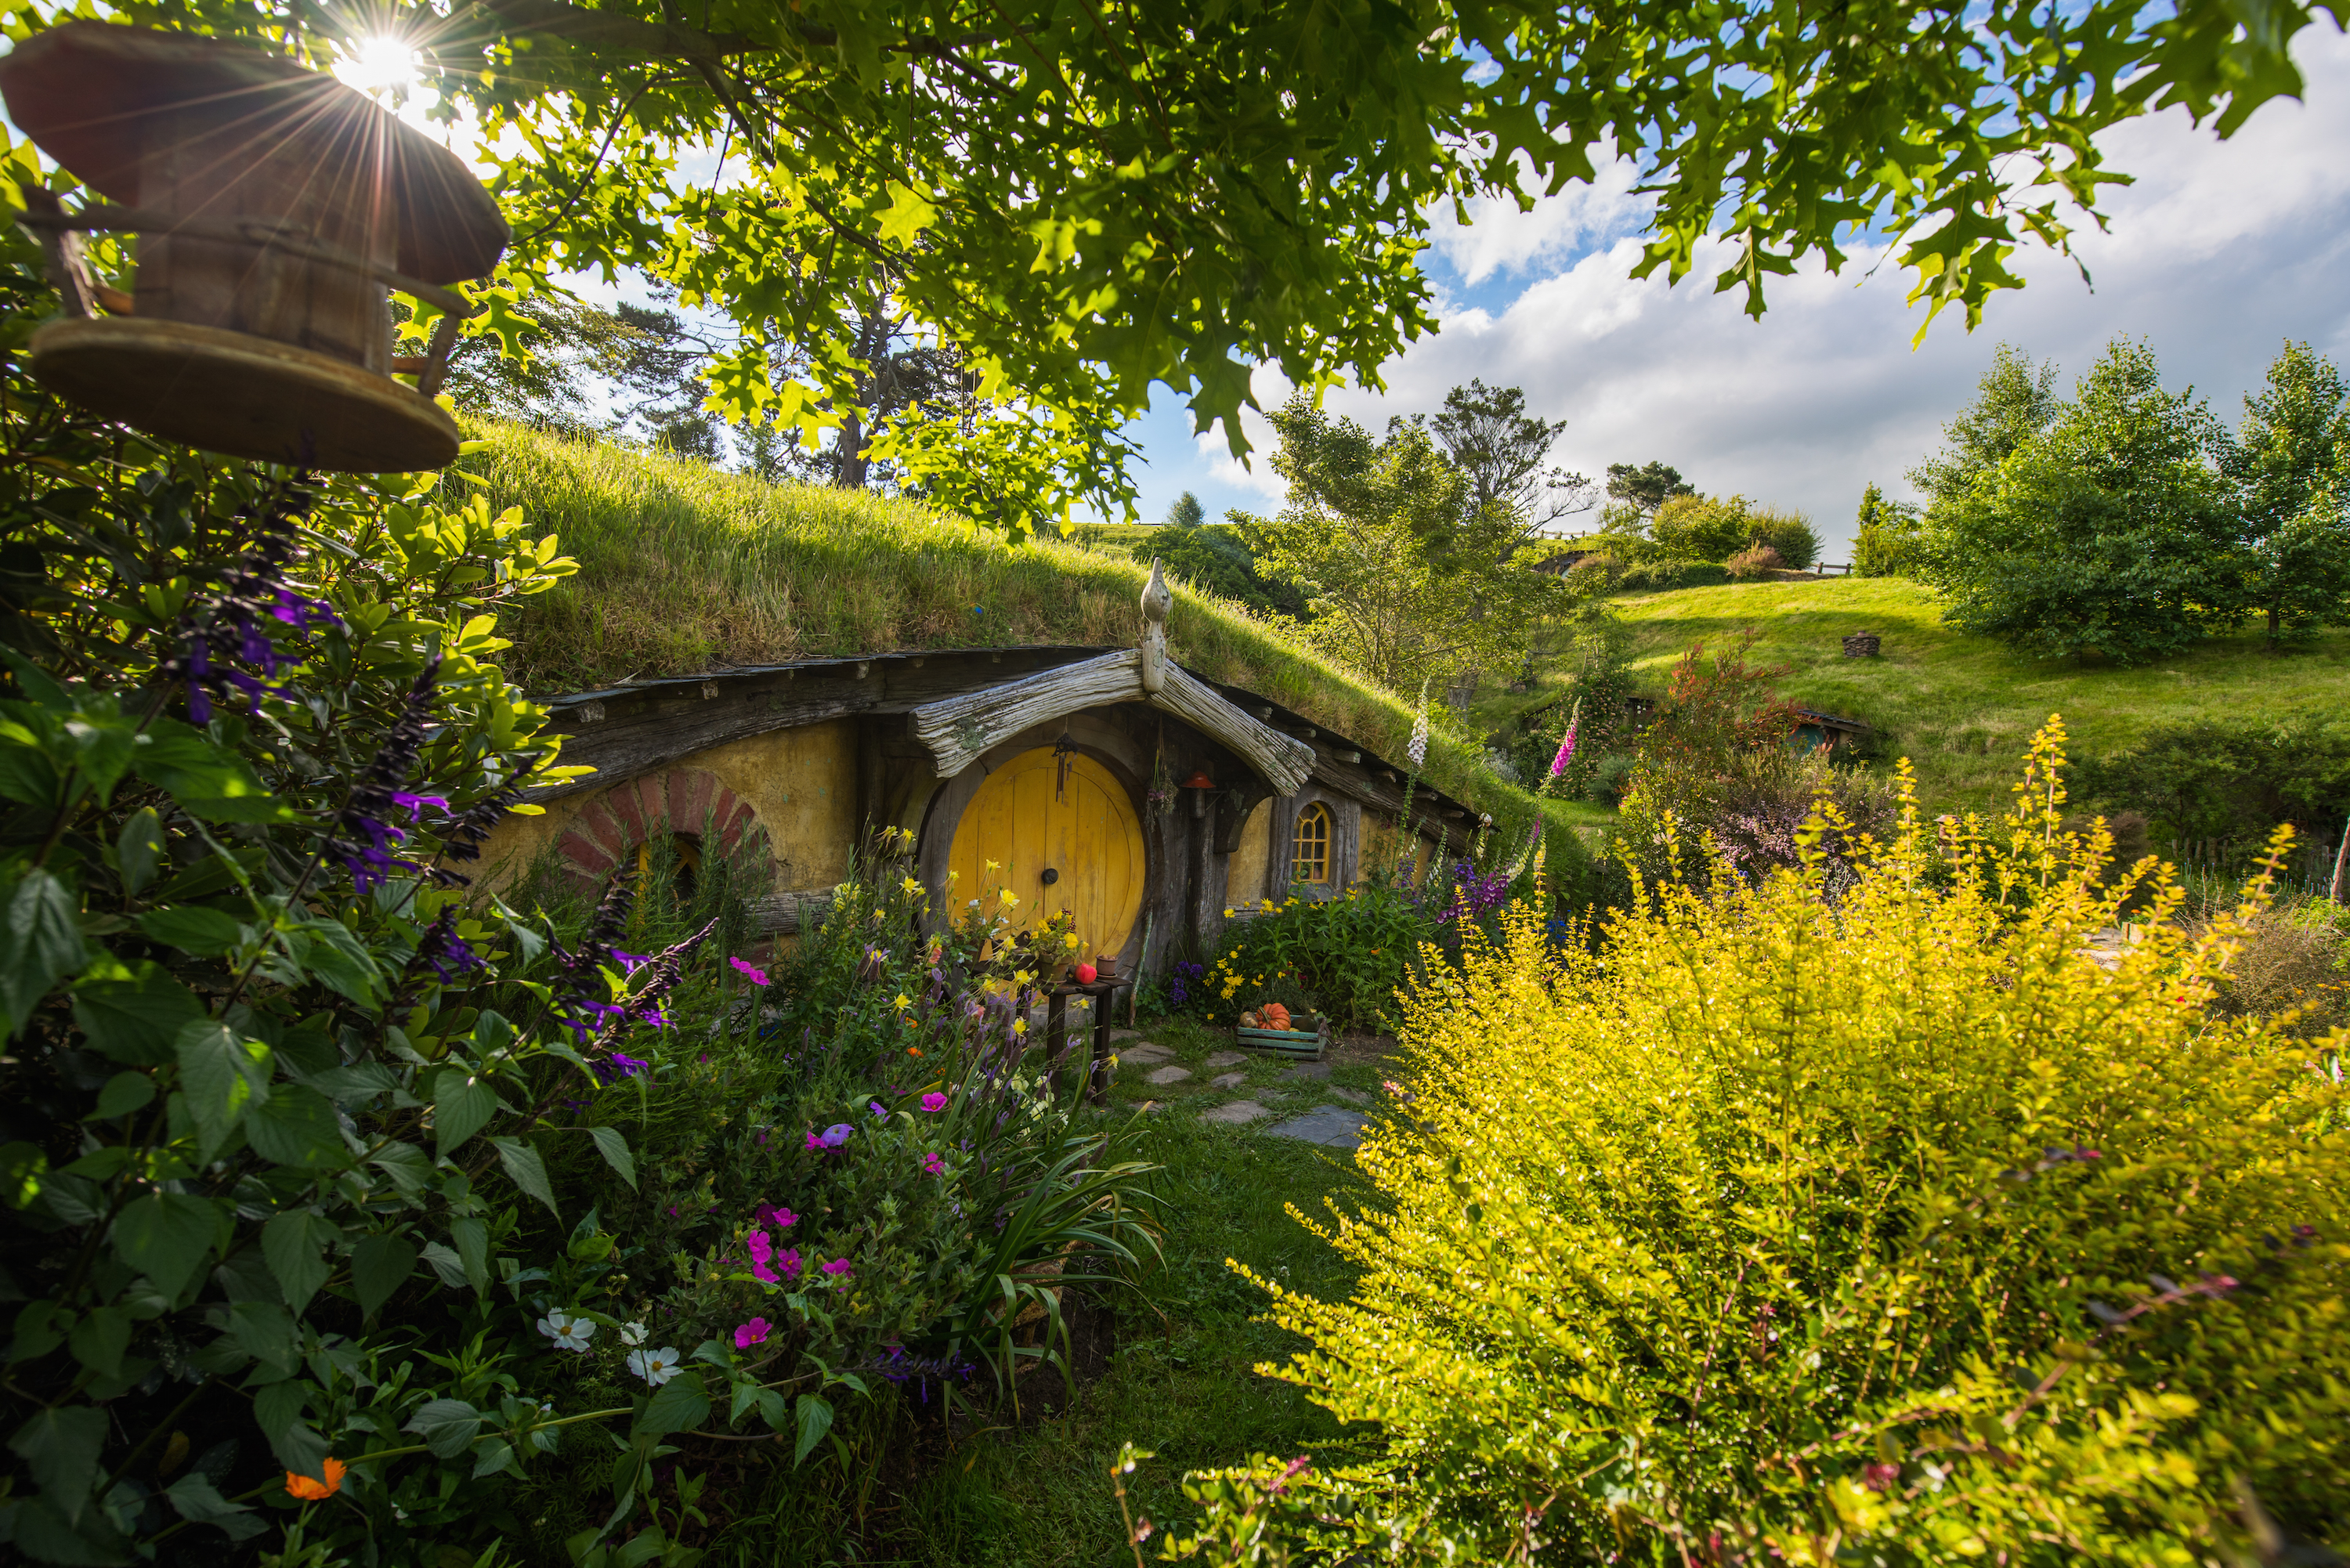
275, 207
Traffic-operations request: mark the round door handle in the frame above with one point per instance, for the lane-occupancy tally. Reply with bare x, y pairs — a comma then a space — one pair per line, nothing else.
1051, 877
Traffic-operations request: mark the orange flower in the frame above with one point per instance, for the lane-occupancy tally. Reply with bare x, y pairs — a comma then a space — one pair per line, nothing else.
311, 1490
913, 1050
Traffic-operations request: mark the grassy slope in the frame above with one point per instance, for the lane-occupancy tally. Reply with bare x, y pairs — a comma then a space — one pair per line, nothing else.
684, 568
1960, 707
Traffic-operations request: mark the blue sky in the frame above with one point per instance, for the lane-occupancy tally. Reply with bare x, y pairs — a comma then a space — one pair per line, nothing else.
2219, 251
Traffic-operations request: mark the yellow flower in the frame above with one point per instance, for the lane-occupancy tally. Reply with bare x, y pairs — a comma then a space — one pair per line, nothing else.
1011, 899
911, 886
904, 1002
1069, 940
1024, 977
1020, 1026
992, 866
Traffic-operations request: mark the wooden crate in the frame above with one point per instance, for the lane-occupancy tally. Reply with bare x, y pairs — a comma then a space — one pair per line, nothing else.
1304, 1044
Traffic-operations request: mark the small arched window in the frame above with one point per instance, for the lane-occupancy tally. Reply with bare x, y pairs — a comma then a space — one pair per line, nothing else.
1309, 853
679, 855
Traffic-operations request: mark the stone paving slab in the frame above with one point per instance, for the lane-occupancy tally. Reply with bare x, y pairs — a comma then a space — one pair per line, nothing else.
1146, 1054
1332, 1126
1352, 1096
1226, 1058
1236, 1112
1118, 1037
1229, 1081
1165, 1075
1316, 1071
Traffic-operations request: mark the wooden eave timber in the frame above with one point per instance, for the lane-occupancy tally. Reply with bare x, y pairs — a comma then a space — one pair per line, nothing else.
638, 727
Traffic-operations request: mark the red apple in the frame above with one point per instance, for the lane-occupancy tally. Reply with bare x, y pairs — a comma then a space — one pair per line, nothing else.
1085, 974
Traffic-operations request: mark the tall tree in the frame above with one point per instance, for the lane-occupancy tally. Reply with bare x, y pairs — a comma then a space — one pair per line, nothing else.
1502, 449
1403, 572
2290, 462
1187, 511
1091, 202
1885, 537
2111, 530
1642, 490
2014, 402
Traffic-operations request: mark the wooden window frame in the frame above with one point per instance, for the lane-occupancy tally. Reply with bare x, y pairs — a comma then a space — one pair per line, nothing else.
1327, 840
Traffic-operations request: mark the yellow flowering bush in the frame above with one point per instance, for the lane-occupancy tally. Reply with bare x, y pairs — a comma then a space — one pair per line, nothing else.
1884, 1227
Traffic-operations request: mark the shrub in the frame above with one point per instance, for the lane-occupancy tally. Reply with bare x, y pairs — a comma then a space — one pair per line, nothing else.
1700, 528
1719, 712
1656, 576
1888, 540
1753, 564
1884, 1229
2219, 778
2293, 965
1788, 533
1343, 955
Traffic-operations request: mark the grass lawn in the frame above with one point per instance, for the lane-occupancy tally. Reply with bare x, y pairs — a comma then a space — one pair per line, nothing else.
1038, 1496
1962, 708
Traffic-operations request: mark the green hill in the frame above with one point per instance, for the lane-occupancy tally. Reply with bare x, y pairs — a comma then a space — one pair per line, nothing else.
684, 568
1962, 708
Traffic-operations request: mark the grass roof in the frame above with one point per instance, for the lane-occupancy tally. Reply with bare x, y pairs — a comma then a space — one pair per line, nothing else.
684, 568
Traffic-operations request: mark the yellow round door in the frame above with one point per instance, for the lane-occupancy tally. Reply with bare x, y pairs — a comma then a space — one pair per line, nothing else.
1085, 834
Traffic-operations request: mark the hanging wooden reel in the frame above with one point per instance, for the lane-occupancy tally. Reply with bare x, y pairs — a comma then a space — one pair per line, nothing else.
275, 207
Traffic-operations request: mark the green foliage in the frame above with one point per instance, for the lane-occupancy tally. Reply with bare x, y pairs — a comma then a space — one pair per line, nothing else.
2108, 532
1490, 437
1345, 955
1794, 1228
1186, 512
1708, 528
1403, 572
2228, 779
1643, 488
1753, 564
1178, 199
2290, 463
1215, 558
2015, 401
1719, 709
1887, 538
1659, 577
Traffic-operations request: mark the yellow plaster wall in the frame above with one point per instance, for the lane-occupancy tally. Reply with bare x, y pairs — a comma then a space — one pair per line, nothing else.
801, 783
1383, 851
1244, 878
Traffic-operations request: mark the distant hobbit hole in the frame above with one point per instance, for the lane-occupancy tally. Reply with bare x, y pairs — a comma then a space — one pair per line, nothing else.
679, 854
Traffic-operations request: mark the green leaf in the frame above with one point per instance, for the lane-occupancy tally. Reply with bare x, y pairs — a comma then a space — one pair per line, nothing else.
124, 1092
461, 1105
337, 958
103, 743
40, 940
264, 1331
296, 1126
816, 1420
200, 1503
473, 1239
100, 1339
22, 1165
493, 1457
613, 1147
277, 1409
380, 1265
222, 1075
679, 1405
406, 1165
193, 928
40, 1328
37, 683
294, 1244
529, 1171
446, 1264
137, 1020
166, 1236
209, 780
60, 1447
447, 1426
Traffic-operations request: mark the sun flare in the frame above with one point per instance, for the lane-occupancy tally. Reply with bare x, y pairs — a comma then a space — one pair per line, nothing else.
379, 64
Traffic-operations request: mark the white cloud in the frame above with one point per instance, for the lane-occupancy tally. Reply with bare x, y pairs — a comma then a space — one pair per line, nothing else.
2219, 251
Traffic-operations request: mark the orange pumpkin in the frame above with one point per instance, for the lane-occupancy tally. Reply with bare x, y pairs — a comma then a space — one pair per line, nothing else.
1276, 1016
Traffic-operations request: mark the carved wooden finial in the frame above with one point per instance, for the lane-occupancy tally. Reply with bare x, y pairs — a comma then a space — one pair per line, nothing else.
1157, 600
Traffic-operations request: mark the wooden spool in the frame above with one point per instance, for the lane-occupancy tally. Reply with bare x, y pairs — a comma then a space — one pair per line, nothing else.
275, 206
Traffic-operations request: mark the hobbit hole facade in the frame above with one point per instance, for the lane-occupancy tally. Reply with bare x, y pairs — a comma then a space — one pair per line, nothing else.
1058, 764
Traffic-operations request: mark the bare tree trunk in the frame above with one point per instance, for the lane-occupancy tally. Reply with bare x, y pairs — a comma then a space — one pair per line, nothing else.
853, 464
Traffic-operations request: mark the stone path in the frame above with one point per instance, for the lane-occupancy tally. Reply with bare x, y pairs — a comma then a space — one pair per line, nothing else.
1235, 1113
1332, 1126
1163, 1077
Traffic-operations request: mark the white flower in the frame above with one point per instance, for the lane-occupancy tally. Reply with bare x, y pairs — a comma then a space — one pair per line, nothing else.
1418, 748
655, 1366
568, 1332
632, 1332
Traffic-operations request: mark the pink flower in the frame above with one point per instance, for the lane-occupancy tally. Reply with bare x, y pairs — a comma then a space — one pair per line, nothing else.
781, 1219
765, 1274
934, 1164
752, 1332
755, 976
788, 1259
837, 1268
1565, 753
758, 1246
815, 1142
934, 1102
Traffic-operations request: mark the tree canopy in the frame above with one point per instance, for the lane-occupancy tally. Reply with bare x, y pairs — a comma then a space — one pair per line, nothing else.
1079, 204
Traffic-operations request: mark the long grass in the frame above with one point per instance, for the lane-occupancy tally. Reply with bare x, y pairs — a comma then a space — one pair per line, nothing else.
685, 568
1962, 708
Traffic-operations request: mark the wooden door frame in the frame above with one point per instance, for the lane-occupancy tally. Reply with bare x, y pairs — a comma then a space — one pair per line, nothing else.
1096, 736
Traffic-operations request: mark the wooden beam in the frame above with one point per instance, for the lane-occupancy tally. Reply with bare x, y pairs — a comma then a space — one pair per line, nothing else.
1283, 762
792, 913
958, 730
